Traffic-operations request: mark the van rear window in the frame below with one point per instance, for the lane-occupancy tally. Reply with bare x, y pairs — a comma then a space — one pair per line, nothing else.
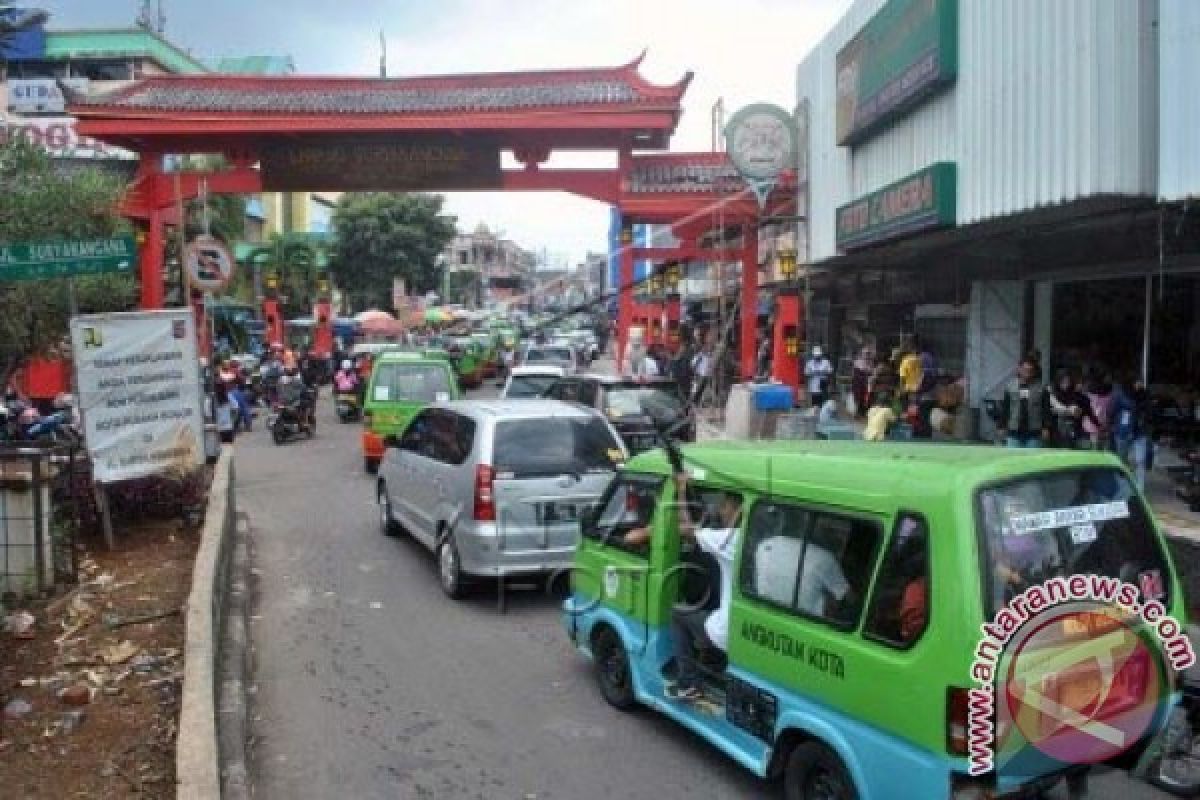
420, 383
1069, 523
530, 448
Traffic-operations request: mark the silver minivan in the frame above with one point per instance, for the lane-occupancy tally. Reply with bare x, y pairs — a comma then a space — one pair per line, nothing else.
496, 488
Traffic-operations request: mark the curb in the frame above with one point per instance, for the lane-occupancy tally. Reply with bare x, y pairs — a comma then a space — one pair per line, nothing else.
196, 753
232, 695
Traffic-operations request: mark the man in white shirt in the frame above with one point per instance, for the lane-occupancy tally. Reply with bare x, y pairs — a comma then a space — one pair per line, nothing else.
818, 370
695, 628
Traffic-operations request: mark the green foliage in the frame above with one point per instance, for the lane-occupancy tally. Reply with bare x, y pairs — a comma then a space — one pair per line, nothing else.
37, 203
385, 235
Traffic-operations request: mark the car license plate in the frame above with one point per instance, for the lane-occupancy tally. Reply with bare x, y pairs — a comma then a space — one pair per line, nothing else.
557, 512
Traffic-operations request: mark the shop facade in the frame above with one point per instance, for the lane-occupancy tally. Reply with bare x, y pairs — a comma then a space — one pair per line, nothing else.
999, 178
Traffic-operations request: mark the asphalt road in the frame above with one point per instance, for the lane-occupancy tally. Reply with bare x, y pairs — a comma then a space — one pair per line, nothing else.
370, 683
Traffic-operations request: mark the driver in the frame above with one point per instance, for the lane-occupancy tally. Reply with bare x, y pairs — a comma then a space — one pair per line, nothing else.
694, 628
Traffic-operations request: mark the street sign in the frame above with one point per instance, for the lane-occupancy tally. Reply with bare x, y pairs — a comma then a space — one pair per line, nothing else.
35, 261
761, 142
209, 263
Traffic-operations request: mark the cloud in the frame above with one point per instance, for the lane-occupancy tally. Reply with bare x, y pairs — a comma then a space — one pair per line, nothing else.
740, 50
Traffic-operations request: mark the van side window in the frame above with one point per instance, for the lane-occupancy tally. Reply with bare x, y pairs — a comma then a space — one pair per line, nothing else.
900, 606
813, 563
628, 503
416, 436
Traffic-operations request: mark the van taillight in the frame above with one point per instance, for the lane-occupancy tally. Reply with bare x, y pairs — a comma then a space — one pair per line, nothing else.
485, 504
957, 717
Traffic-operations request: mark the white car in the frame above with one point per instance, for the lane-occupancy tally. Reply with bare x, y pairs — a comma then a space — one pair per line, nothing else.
531, 381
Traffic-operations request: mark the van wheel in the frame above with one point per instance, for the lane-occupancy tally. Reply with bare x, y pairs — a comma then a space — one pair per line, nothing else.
387, 522
370, 465
814, 772
449, 569
612, 670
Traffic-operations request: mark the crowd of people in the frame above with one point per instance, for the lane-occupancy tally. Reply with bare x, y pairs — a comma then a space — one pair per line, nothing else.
1100, 412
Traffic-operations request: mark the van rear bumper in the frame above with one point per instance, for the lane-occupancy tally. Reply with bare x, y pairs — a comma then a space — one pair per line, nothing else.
480, 554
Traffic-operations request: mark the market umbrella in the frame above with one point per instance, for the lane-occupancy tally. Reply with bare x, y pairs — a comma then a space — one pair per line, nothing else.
373, 315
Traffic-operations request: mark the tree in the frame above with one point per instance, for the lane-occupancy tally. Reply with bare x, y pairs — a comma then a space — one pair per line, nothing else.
39, 203
384, 235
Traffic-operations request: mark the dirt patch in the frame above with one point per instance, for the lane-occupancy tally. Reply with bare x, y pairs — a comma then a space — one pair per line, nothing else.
88, 647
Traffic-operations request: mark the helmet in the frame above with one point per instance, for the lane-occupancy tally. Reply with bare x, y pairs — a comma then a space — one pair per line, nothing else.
347, 364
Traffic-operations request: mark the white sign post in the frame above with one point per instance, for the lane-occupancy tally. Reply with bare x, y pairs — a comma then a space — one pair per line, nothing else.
140, 392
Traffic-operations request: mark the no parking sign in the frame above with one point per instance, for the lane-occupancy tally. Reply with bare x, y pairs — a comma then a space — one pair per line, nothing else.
209, 263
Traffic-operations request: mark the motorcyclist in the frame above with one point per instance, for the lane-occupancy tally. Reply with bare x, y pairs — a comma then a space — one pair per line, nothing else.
345, 380
294, 394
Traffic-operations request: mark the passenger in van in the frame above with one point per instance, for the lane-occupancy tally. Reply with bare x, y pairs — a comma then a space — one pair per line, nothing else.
823, 584
693, 629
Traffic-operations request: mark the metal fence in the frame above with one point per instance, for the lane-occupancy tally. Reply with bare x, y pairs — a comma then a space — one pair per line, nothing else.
42, 494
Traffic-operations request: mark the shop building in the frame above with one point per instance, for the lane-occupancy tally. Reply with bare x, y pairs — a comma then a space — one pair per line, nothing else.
999, 177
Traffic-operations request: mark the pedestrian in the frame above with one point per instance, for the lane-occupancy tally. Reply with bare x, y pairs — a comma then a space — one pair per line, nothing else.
883, 381
860, 381
1099, 392
880, 417
681, 369
702, 370
929, 372
763, 365
1070, 408
817, 371
1025, 410
1131, 418
912, 374
223, 413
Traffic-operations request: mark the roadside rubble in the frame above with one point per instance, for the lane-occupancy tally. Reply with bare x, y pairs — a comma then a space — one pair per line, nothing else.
90, 683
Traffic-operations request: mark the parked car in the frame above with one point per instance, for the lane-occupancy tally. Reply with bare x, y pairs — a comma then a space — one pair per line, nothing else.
496, 488
402, 383
555, 355
636, 408
863, 576
531, 381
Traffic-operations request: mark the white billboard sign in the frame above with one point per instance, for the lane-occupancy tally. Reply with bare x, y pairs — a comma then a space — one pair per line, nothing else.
41, 95
140, 392
58, 137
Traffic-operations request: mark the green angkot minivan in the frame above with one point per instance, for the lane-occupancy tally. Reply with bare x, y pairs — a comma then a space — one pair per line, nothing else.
402, 383
856, 661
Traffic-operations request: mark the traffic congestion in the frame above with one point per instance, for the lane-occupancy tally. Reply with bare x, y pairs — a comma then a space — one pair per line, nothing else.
750, 592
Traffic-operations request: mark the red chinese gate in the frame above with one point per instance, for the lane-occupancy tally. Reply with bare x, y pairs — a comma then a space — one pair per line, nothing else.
282, 133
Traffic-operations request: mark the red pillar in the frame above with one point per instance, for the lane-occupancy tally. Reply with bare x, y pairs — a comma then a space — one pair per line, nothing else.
323, 328
624, 298
274, 320
785, 354
150, 264
749, 300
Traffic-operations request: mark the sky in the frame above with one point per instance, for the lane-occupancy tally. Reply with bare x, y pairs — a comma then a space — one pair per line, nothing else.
743, 51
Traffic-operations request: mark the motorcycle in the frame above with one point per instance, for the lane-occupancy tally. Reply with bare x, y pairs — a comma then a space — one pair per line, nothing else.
348, 407
291, 420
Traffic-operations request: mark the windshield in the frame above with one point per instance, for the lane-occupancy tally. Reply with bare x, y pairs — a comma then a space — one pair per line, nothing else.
551, 354
620, 401
423, 383
628, 503
528, 448
1069, 523
530, 385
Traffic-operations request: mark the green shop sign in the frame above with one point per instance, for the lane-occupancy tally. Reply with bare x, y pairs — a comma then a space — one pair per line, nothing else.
35, 261
905, 53
922, 201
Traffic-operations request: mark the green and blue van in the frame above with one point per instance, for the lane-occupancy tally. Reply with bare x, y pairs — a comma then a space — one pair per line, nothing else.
863, 575
402, 383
